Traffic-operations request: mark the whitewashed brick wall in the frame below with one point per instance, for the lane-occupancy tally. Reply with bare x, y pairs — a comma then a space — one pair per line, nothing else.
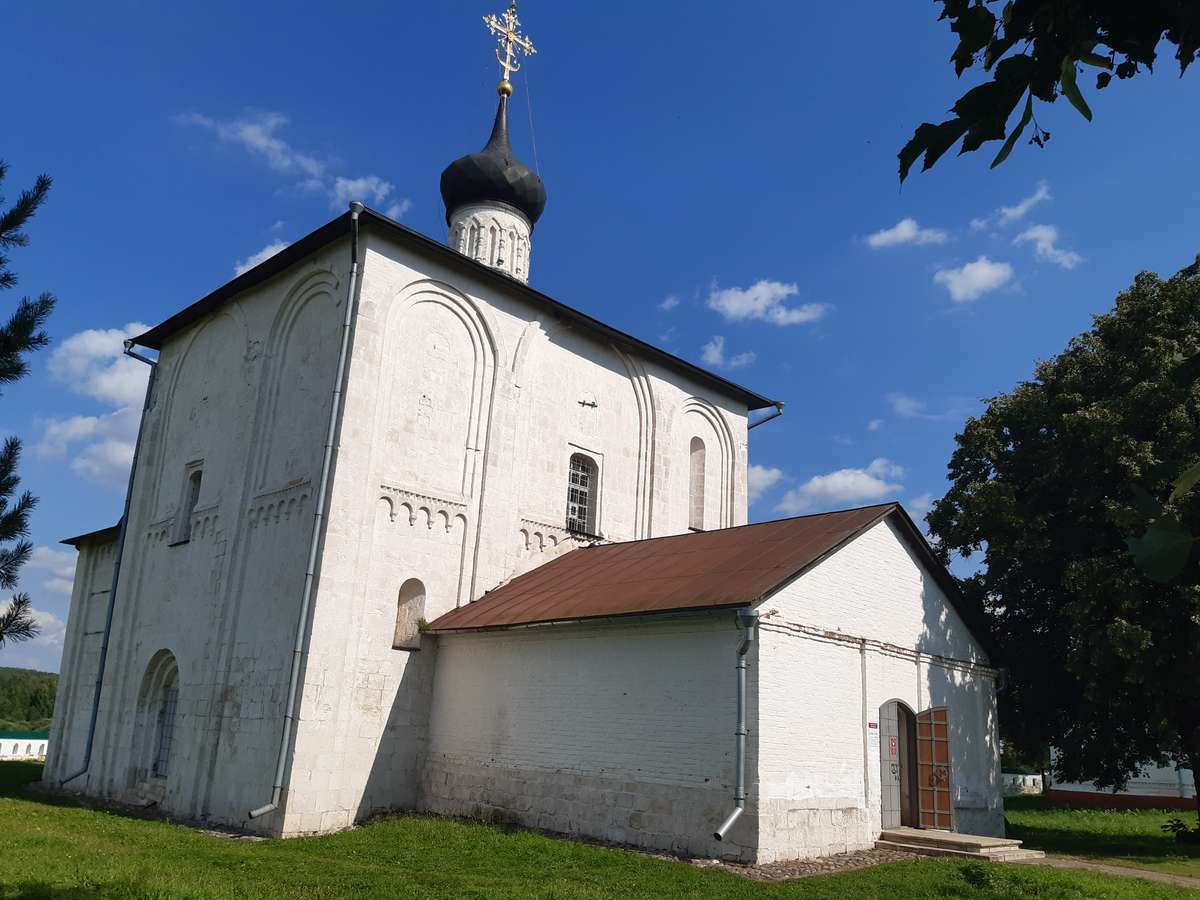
819, 769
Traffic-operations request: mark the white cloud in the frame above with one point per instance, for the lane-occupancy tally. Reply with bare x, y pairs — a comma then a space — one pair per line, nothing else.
52, 629
874, 424
908, 407
245, 265
92, 363
399, 210
906, 231
258, 133
669, 303
713, 354
763, 300
920, 505
973, 280
1045, 241
760, 479
1007, 215
60, 563
845, 486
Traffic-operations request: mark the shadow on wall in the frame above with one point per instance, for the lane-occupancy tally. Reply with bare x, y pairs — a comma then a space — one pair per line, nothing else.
970, 699
393, 782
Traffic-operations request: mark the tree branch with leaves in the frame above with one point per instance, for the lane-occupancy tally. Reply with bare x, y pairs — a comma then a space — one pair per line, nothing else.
1036, 50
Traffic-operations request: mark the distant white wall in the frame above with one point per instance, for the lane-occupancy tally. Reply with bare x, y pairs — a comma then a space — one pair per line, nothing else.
621, 731
820, 687
1152, 782
22, 748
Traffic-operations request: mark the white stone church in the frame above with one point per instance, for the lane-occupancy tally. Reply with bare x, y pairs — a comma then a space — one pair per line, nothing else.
404, 533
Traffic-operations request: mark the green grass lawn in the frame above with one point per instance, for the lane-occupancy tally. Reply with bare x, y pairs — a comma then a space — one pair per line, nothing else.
1126, 837
54, 848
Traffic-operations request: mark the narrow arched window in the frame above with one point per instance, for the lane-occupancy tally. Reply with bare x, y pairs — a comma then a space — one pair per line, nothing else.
165, 729
492, 241
473, 241
696, 486
583, 495
187, 506
410, 607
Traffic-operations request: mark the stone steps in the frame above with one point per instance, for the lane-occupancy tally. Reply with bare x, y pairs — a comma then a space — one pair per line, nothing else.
950, 844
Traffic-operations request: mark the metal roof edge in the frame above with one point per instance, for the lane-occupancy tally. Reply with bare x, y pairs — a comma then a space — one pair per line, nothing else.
332, 230
613, 618
80, 538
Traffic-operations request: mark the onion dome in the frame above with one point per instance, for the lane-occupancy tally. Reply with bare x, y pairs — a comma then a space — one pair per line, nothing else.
494, 175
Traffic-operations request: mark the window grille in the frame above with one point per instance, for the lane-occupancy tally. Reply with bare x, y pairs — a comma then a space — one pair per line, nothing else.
582, 495
166, 731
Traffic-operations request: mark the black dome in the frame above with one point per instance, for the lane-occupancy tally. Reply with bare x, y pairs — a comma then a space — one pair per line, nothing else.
494, 175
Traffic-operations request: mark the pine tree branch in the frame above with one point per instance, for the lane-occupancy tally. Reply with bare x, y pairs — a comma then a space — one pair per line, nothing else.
22, 334
17, 622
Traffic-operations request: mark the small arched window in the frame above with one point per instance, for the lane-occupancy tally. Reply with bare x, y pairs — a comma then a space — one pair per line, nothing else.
473, 241
187, 506
696, 486
583, 495
165, 733
410, 607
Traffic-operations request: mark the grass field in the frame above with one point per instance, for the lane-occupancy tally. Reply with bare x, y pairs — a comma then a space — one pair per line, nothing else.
1130, 837
54, 848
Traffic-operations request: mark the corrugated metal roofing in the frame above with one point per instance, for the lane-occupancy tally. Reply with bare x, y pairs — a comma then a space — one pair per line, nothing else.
703, 570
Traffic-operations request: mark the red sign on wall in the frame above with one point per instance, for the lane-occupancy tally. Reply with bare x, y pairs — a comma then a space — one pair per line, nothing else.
893, 750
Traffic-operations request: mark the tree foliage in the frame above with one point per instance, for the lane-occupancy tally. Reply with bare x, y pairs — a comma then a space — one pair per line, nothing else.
1047, 484
19, 336
1036, 50
26, 698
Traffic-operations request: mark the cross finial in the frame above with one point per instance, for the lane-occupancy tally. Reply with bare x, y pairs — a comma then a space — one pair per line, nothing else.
510, 40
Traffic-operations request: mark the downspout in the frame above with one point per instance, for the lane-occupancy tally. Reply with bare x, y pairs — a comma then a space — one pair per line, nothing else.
112, 588
318, 528
765, 419
747, 619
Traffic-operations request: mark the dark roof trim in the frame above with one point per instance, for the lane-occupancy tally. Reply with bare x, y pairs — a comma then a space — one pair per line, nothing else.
294, 253
620, 618
102, 534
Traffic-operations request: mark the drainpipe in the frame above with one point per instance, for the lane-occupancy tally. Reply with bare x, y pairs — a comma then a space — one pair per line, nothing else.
765, 419
318, 528
112, 588
747, 619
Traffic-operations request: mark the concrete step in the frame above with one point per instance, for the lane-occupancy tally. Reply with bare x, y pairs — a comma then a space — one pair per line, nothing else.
997, 854
950, 840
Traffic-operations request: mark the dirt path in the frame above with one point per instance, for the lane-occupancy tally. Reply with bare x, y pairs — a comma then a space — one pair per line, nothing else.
1072, 862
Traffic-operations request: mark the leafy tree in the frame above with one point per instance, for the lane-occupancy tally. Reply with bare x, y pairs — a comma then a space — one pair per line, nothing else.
26, 698
1034, 49
20, 335
1046, 486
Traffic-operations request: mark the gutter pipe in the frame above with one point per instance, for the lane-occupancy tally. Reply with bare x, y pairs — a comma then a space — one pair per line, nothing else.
112, 588
318, 528
765, 419
747, 619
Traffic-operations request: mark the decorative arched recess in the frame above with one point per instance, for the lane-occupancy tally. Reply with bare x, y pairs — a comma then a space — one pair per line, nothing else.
464, 501
282, 344
162, 675
643, 392
232, 316
725, 451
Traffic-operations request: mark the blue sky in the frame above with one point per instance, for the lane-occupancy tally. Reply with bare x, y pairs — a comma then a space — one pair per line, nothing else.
721, 182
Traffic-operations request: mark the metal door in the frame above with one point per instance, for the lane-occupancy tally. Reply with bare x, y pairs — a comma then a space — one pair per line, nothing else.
935, 783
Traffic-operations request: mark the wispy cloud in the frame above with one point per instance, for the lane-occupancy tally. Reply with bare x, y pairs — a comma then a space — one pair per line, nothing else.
1045, 242
56, 566
906, 406
259, 134
875, 425
1007, 215
920, 505
845, 486
669, 303
760, 479
906, 231
713, 354
973, 280
245, 265
92, 363
763, 301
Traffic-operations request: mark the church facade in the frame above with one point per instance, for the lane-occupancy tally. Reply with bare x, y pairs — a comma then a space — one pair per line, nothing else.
355, 454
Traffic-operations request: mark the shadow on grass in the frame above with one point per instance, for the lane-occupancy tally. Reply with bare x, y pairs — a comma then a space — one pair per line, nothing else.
108, 890
1095, 832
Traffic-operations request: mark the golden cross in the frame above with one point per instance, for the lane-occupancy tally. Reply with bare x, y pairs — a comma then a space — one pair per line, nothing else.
512, 42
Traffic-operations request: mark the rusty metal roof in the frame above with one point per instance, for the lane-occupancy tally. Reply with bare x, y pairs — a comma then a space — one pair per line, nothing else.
730, 567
